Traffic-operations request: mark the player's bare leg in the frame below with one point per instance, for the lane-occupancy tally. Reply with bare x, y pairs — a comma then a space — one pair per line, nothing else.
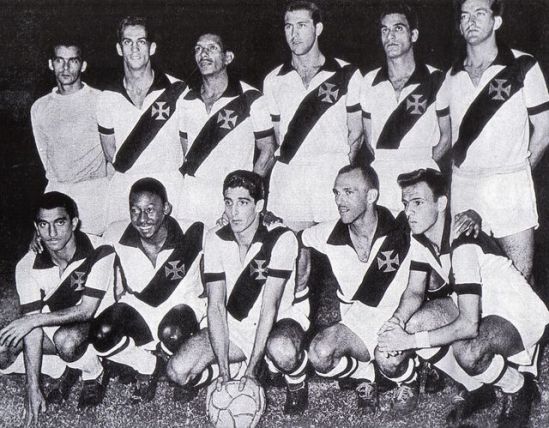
193, 365
286, 353
519, 247
338, 353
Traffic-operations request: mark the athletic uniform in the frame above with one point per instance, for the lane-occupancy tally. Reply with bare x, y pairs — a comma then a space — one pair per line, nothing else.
313, 136
403, 130
490, 133
65, 133
368, 292
479, 266
153, 290
40, 288
147, 141
273, 253
219, 142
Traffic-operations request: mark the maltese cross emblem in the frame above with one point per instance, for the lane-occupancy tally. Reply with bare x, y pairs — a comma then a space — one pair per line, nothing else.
160, 111
78, 279
258, 269
174, 271
387, 264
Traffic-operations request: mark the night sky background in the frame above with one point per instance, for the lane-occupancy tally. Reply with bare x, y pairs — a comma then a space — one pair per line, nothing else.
255, 32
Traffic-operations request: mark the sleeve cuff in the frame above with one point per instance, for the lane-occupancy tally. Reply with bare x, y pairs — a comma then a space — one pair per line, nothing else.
366, 115
105, 131
213, 277
31, 307
538, 109
443, 112
183, 135
94, 292
275, 117
420, 266
353, 108
264, 134
468, 288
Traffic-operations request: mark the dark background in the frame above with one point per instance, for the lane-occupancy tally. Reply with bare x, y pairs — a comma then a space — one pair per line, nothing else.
253, 29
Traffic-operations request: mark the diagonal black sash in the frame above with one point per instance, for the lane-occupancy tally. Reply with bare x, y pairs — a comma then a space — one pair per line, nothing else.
216, 128
149, 124
382, 271
72, 288
250, 282
172, 272
408, 112
311, 109
498, 90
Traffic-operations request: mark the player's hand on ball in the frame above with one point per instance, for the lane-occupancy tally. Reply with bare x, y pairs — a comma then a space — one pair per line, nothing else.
396, 339
221, 381
245, 379
390, 324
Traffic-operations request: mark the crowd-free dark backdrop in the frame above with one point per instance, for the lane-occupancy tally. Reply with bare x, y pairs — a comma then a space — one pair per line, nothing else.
255, 32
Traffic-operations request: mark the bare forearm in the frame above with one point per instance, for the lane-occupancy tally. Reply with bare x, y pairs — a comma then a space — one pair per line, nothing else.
64, 316
410, 302
459, 329
538, 145
264, 328
33, 356
219, 336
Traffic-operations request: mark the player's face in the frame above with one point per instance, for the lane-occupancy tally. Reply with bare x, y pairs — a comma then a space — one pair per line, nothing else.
351, 196
421, 207
55, 228
240, 208
396, 37
135, 48
210, 56
67, 65
477, 21
300, 31
147, 213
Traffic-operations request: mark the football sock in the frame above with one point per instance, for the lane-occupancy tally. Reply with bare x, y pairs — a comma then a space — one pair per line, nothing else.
89, 364
509, 379
300, 373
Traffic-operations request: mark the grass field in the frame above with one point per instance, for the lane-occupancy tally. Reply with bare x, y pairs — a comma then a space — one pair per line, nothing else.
328, 406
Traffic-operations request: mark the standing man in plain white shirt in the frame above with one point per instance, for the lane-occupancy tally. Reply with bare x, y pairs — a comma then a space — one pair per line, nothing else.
64, 125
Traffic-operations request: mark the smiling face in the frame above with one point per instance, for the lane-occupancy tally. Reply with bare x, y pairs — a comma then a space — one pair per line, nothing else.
396, 36
147, 213
300, 31
477, 21
421, 207
240, 208
135, 48
210, 56
353, 196
55, 228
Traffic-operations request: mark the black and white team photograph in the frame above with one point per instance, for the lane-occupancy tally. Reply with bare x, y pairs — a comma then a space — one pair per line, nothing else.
286, 213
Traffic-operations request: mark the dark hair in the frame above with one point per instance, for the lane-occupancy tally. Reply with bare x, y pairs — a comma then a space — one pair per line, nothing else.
495, 5
225, 40
314, 10
436, 181
248, 180
130, 21
150, 185
67, 42
51, 200
369, 174
403, 9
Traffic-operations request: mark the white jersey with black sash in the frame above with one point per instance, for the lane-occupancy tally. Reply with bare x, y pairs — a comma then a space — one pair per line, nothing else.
479, 266
147, 139
376, 284
490, 126
154, 289
313, 120
90, 272
222, 140
405, 127
273, 253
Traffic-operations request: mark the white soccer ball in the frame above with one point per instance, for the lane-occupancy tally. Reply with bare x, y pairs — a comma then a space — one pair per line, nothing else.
231, 408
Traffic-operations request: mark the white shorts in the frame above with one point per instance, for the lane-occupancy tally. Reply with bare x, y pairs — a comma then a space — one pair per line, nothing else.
390, 194
506, 202
515, 301
242, 333
90, 197
365, 321
201, 200
119, 193
303, 192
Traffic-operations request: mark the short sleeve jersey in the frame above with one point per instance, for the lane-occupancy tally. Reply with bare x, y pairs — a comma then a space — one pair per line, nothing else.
236, 149
117, 115
503, 141
379, 104
137, 267
222, 262
285, 91
37, 277
334, 240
